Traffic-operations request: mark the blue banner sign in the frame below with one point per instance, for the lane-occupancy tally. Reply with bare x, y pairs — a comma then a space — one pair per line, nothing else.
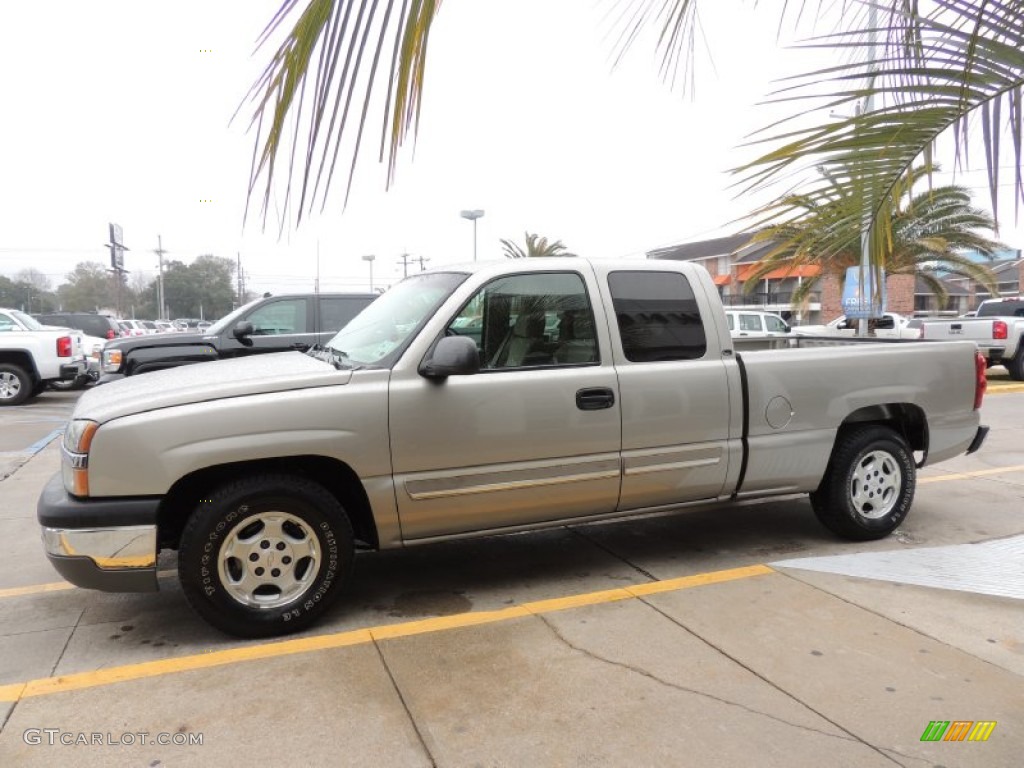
858, 303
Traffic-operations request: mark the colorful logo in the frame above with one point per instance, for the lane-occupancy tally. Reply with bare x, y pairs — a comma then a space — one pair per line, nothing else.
958, 730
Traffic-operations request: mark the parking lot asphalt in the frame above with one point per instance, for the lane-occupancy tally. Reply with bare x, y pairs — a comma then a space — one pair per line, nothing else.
743, 637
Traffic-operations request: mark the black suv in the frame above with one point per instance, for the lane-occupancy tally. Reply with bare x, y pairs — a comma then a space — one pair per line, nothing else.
270, 324
89, 323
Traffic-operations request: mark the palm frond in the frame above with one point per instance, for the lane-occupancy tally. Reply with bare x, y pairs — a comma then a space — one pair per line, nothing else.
315, 93
934, 72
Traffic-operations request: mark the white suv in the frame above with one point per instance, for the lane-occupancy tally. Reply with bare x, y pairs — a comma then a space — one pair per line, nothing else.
755, 324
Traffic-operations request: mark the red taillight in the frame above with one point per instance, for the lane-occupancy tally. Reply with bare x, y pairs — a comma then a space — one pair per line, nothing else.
999, 329
981, 380
111, 334
64, 346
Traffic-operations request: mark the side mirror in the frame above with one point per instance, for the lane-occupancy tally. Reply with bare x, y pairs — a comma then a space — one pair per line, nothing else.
453, 356
242, 331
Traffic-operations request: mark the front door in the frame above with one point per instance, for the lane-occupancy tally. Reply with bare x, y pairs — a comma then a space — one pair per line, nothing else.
533, 436
279, 325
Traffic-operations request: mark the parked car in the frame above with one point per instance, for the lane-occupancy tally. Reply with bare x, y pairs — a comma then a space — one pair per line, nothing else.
755, 324
89, 323
270, 324
33, 355
164, 326
186, 324
265, 472
133, 328
997, 329
889, 326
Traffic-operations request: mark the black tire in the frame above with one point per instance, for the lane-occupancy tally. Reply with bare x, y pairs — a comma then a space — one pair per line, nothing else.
16, 386
1015, 366
868, 486
251, 525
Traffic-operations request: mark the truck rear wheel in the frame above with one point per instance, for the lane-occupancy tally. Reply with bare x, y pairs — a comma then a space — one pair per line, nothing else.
265, 556
1015, 366
868, 486
15, 385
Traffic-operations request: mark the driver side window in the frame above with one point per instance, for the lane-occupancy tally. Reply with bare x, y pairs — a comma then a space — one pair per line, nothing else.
279, 317
530, 321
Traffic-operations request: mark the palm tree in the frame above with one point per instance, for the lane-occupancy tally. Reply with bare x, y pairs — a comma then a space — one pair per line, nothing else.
928, 234
536, 246
925, 77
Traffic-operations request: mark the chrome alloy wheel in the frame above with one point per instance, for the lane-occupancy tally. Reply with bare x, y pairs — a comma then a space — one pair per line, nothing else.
10, 386
875, 484
269, 560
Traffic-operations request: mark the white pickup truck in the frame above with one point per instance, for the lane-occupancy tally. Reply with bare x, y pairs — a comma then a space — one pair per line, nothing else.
889, 326
33, 355
997, 328
486, 399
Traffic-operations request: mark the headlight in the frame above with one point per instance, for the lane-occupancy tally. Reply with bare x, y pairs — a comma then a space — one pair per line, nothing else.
112, 360
75, 456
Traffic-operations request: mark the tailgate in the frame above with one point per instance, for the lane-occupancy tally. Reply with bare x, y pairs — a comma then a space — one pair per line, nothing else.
979, 329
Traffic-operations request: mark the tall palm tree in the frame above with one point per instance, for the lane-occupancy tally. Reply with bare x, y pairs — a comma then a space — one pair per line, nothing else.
536, 246
926, 74
928, 234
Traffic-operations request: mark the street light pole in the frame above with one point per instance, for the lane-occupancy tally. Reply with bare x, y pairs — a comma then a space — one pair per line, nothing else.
473, 216
865, 229
369, 258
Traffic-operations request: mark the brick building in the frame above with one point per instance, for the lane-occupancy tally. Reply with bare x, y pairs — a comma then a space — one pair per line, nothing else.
730, 259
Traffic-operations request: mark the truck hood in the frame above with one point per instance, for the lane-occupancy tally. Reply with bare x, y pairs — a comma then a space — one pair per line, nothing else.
215, 380
176, 339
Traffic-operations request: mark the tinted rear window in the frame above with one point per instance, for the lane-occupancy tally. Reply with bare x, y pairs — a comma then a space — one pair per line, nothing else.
336, 312
658, 316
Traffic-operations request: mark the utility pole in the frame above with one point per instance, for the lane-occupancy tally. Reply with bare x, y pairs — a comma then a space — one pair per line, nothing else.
405, 264
160, 278
422, 262
238, 274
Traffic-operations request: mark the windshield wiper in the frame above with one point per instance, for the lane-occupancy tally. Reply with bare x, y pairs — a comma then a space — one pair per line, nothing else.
337, 358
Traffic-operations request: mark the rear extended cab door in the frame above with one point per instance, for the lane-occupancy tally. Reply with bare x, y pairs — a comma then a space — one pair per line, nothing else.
679, 385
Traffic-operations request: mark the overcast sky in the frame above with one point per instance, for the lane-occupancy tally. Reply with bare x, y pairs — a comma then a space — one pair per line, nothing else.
119, 110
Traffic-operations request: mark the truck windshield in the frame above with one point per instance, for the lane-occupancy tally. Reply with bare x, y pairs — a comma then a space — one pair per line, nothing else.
393, 319
1002, 308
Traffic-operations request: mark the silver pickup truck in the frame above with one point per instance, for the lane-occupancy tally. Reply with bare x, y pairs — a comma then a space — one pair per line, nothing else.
997, 329
486, 399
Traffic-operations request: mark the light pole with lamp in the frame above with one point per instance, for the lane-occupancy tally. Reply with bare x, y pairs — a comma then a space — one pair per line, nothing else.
473, 216
370, 257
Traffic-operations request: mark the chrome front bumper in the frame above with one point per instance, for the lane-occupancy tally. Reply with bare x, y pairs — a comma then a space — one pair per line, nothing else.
106, 544
109, 559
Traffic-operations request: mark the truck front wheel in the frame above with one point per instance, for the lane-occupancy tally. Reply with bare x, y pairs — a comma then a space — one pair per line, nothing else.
265, 556
868, 486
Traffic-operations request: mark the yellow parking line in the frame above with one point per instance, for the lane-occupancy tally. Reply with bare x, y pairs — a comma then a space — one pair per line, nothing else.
969, 475
59, 586
36, 589
50, 685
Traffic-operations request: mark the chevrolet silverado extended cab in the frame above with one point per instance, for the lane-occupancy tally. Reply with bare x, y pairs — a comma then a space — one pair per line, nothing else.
270, 324
997, 329
33, 355
487, 399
